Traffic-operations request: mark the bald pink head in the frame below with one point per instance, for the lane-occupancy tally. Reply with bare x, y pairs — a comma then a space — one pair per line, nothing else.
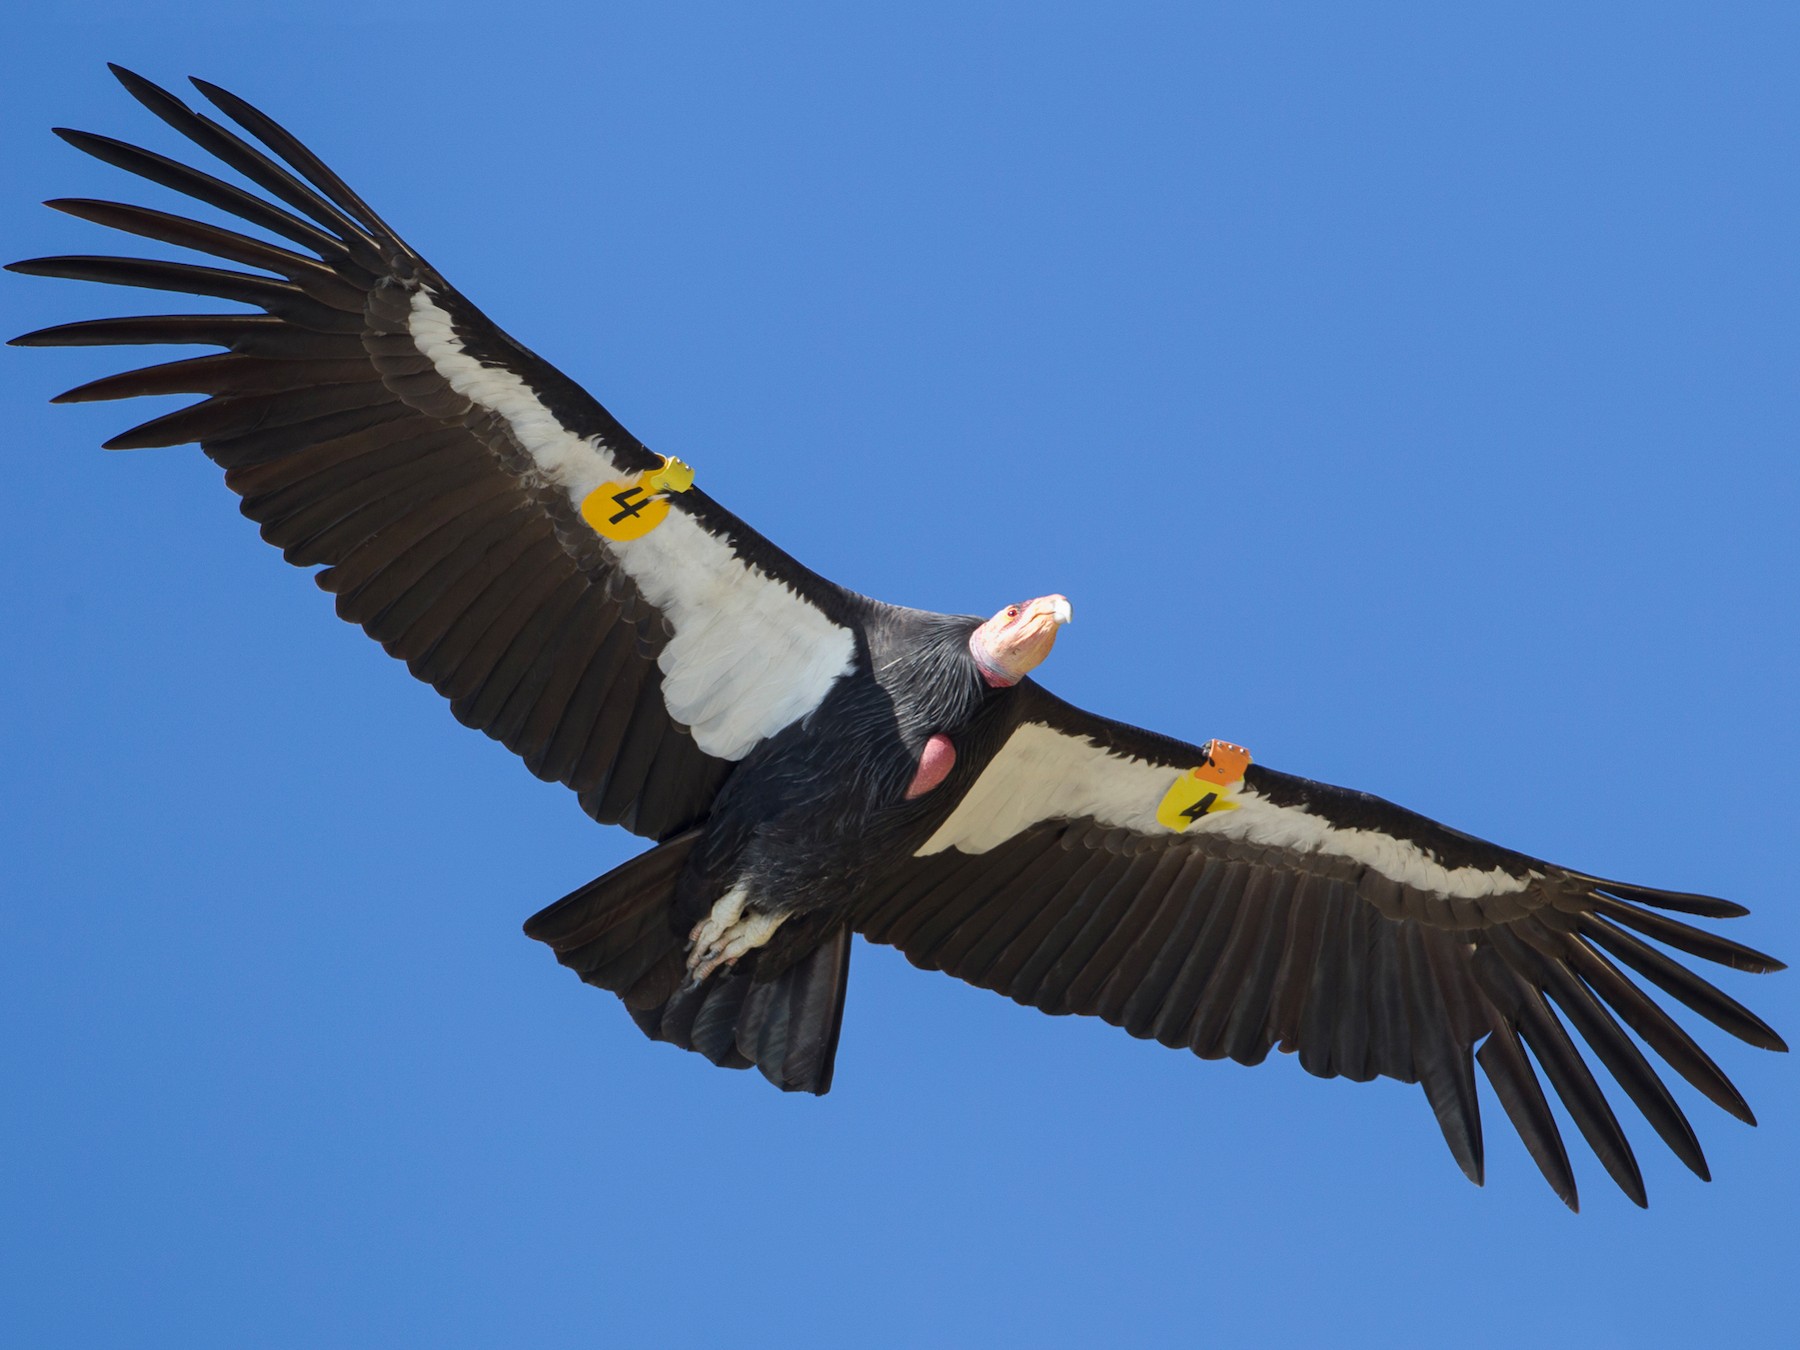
1011, 644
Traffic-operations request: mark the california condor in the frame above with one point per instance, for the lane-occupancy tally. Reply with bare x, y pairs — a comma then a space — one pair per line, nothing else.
813, 764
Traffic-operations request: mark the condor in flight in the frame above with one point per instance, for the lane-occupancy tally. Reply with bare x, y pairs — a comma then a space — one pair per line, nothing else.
812, 764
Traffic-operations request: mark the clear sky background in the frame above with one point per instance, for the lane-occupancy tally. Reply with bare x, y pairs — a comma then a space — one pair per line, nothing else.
1407, 392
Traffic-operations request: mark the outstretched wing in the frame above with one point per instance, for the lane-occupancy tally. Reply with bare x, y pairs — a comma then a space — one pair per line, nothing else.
376, 422
1094, 868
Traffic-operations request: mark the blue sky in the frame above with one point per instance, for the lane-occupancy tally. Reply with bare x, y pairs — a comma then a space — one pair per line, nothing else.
1404, 391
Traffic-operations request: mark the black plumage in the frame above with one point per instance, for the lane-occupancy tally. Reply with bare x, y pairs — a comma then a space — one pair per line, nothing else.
812, 764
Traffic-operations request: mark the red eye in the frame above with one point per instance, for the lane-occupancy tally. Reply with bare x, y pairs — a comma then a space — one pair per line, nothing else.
1012, 611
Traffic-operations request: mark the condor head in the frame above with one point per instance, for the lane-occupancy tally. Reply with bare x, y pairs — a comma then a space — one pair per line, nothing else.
1010, 645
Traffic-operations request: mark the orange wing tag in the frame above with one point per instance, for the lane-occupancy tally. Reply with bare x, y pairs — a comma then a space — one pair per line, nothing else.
626, 511
1204, 790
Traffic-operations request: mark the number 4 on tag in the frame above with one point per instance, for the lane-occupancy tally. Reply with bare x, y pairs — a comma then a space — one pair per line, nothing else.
630, 510
1205, 789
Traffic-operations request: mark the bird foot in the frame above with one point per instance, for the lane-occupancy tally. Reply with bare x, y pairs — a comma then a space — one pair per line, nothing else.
729, 932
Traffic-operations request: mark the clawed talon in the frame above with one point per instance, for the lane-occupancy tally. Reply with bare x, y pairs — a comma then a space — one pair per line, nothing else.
707, 934
727, 934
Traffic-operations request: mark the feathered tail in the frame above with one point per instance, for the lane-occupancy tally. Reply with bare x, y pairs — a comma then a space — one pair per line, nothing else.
620, 932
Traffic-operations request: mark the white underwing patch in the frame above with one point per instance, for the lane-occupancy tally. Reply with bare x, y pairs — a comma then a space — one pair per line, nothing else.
748, 654
1045, 774
1042, 773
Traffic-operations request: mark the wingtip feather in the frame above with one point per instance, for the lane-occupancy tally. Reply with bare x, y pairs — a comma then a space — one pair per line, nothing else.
132, 81
1681, 902
37, 337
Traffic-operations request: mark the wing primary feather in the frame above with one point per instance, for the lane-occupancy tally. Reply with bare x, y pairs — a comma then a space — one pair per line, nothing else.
1503, 1059
223, 419
229, 149
1685, 937
1683, 902
302, 269
278, 297
1660, 1031
170, 173
247, 334
1681, 983
218, 374
1614, 1049
271, 442
1569, 1073
304, 161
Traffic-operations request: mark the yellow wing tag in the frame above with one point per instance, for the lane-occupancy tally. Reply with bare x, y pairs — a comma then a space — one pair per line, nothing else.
1204, 790
626, 511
